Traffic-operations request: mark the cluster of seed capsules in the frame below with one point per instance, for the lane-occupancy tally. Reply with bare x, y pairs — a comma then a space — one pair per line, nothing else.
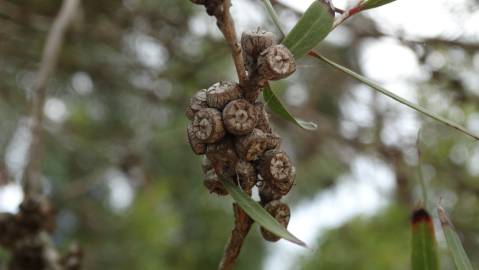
231, 129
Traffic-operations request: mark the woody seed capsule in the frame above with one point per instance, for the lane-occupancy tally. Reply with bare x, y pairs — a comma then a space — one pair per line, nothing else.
267, 193
280, 211
272, 141
263, 118
197, 102
198, 147
277, 169
206, 164
253, 42
239, 117
276, 63
208, 125
213, 184
251, 146
246, 174
219, 94
223, 153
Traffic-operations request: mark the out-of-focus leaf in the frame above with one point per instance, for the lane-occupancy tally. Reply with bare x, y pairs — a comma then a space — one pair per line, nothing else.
375, 3
424, 254
276, 106
454, 244
274, 16
259, 214
399, 99
314, 26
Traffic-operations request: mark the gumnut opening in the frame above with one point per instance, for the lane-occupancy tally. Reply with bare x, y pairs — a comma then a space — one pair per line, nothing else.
208, 125
276, 63
277, 169
239, 117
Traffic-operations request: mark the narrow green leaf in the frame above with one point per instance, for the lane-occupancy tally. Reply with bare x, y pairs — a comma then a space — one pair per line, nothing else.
276, 106
458, 253
399, 99
259, 214
368, 4
274, 16
314, 26
424, 254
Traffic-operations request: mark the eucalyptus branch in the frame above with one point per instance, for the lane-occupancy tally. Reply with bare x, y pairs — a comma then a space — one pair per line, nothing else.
232, 250
242, 222
221, 11
226, 25
47, 67
346, 14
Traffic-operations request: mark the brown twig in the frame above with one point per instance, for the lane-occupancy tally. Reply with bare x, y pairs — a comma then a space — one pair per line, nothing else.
220, 9
226, 25
242, 226
47, 67
33, 248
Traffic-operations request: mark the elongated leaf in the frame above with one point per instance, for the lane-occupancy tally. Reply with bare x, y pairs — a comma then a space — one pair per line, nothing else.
274, 16
375, 3
276, 106
314, 26
399, 99
424, 254
259, 214
458, 253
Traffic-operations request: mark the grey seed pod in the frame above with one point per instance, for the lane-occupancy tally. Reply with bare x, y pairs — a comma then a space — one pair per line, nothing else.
197, 102
246, 174
219, 94
251, 146
239, 117
208, 125
267, 193
223, 153
273, 141
276, 63
253, 42
277, 169
263, 118
280, 211
206, 164
213, 183
198, 147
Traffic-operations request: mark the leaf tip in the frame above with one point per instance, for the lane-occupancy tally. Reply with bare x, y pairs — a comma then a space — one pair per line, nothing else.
420, 215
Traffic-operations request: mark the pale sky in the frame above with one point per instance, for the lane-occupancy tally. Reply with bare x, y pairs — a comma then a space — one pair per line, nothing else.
385, 60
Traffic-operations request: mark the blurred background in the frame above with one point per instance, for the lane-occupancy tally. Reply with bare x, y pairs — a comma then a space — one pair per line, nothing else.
127, 188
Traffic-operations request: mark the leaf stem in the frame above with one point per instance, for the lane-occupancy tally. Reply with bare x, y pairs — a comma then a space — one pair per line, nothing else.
397, 98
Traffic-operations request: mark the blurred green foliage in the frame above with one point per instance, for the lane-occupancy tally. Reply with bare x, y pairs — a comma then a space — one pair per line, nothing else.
125, 75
